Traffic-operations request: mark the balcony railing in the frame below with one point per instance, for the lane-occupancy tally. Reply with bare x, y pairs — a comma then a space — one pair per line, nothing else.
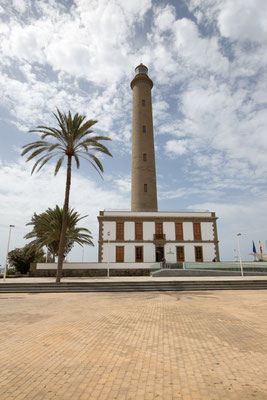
159, 236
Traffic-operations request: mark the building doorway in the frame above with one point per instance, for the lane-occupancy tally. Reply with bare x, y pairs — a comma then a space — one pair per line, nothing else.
159, 254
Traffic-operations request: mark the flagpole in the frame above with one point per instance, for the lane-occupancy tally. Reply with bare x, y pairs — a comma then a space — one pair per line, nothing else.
240, 260
260, 249
8, 243
254, 250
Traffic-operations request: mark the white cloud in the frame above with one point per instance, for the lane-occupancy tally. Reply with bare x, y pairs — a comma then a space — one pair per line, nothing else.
93, 43
20, 5
27, 42
164, 18
176, 147
202, 52
124, 185
244, 20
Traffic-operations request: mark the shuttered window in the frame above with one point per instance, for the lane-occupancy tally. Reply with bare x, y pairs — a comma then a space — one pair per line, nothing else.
179, 231
119, 253
199, 253
159, 228
138, 231
139, 254
180, 253
197, 230
120, 231
159, 231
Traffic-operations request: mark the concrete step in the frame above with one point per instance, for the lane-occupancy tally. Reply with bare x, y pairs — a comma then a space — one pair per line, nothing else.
67, 287
186, 272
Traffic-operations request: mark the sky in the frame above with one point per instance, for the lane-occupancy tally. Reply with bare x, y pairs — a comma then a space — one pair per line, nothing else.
208, 62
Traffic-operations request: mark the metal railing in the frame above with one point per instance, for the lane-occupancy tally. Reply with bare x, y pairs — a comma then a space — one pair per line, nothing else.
159, 236
225, 266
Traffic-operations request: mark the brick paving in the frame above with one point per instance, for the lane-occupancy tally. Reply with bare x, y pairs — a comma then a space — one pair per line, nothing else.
134, 346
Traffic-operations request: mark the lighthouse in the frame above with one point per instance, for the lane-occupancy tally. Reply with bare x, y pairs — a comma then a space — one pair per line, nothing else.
134, 240
144, 186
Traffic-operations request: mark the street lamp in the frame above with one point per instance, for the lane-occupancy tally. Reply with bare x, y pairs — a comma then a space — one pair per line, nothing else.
8, 242
239, 251
108, 234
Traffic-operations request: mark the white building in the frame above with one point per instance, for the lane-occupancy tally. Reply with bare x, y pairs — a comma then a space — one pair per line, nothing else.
144, 234
126, 236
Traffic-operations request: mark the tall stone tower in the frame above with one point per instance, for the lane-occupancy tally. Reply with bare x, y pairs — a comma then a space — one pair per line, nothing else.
144, 186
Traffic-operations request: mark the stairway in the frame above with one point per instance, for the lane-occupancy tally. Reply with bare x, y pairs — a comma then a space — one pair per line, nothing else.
68, 287
201, 272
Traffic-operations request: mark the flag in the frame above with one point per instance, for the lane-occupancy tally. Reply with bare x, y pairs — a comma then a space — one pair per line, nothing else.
253, 248
260, 246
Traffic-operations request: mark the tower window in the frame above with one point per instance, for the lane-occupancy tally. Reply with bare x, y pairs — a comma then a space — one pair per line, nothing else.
144, 157
145, 187
144, 128
143, 103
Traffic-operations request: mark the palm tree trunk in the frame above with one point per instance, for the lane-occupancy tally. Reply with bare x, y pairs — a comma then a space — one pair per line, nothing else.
64, 223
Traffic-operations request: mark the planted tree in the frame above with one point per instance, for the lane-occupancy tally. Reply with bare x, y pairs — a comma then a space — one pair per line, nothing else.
21, 258
47, 227
72, 138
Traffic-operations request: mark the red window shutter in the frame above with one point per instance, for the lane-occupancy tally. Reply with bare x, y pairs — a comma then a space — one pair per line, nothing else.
138, 231
197, 230
119, 253
120, 231
179, 231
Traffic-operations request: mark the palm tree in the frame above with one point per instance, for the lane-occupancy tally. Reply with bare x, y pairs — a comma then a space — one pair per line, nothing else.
71, 139
47, 228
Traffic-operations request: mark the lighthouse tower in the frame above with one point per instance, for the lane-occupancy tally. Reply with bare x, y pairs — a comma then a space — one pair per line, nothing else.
144, 186
136, 239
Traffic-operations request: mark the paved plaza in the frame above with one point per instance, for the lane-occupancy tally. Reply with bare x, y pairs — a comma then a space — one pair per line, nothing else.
170, 345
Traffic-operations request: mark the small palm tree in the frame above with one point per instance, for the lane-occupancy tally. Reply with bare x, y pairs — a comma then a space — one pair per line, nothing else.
71, 139
47, 228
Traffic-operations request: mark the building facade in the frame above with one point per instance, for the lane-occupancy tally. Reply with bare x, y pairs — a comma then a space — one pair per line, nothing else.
126, 236
144, 234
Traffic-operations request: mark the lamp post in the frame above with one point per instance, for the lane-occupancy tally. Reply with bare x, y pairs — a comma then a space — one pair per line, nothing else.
239, 251
8, 242
108, 234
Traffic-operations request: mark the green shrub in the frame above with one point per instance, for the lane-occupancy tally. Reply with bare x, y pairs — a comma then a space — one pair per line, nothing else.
21, 259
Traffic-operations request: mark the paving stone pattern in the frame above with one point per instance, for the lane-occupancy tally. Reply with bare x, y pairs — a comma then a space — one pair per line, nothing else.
134, 346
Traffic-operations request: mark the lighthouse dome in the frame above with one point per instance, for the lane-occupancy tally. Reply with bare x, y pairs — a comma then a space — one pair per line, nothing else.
141, 69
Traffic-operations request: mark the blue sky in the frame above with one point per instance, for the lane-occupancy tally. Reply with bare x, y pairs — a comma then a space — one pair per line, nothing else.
208, 61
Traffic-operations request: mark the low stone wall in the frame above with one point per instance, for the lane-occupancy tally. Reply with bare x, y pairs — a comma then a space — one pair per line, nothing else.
88, 272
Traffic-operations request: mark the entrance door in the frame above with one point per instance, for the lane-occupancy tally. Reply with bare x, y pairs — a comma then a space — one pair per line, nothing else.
159, 254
